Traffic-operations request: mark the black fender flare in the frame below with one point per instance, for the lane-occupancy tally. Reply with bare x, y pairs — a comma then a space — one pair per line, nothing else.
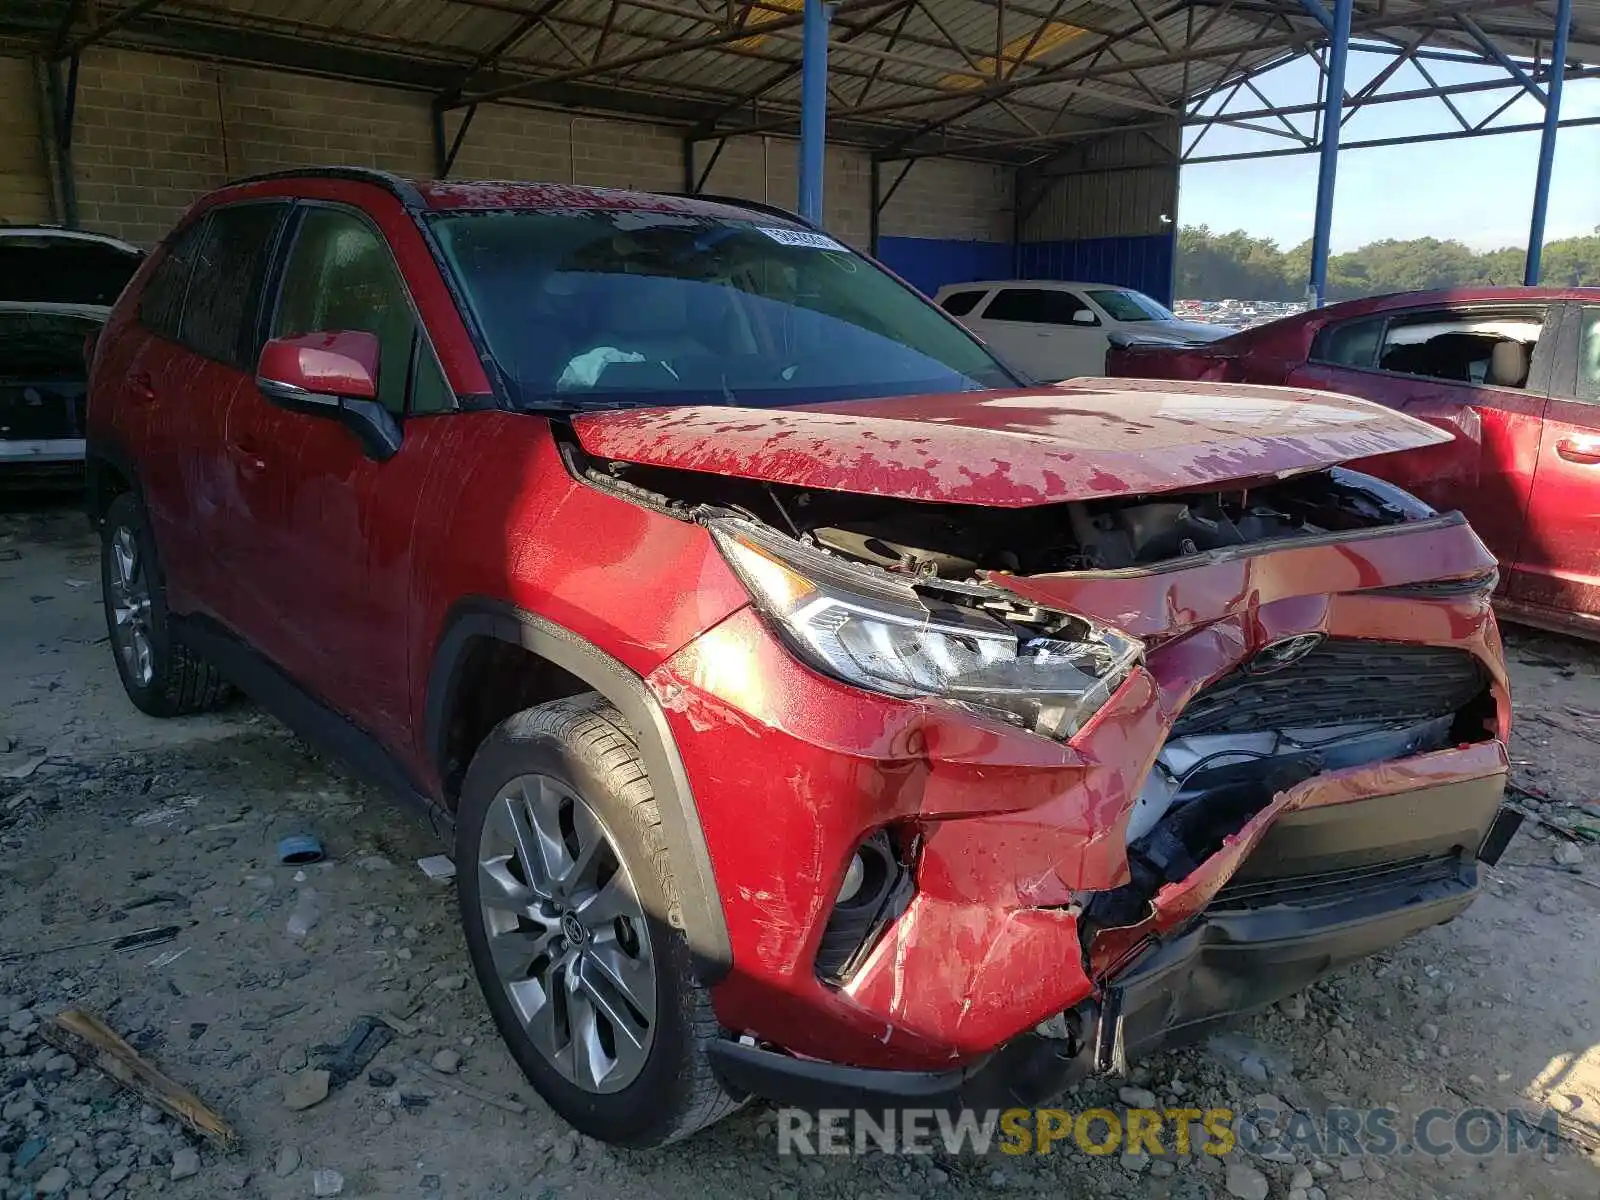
704, 925
110, 453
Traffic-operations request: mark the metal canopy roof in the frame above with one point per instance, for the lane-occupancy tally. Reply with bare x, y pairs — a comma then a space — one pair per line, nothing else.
1011, 80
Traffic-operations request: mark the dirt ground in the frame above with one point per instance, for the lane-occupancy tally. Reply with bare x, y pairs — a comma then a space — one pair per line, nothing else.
111, 823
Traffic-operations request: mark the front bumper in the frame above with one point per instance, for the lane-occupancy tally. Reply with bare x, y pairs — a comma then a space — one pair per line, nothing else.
1263, 939
791, 771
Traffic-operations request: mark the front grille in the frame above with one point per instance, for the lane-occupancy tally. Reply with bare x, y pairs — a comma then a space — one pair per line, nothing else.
1337, 885
1340, 682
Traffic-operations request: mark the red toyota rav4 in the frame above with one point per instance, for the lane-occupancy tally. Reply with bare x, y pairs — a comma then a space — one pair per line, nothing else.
820, 711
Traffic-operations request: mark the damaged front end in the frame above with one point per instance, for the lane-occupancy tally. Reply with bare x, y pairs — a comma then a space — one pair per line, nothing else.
1026, 793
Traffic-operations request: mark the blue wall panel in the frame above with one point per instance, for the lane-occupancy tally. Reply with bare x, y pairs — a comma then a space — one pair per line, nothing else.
1144, 262
1137, 262
930, 263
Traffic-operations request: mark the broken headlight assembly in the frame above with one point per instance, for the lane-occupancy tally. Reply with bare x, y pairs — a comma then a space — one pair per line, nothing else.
883, 633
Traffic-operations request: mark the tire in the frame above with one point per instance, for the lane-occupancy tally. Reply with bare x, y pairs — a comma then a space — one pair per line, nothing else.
579, 750
161, 677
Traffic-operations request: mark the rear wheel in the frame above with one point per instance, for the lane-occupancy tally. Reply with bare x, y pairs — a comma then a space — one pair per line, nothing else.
161, 677
564, 886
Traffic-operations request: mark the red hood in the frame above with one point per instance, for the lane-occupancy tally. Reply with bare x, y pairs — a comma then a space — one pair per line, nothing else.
1079, 440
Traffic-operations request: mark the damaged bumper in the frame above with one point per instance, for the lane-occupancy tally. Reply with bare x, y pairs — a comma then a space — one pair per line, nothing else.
1013, 836
1319, 889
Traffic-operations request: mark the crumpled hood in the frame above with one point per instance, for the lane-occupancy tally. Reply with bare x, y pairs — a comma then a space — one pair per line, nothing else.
1080, 440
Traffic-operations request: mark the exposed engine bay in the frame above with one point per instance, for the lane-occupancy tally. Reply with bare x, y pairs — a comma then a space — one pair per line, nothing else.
955, 542
1245, 739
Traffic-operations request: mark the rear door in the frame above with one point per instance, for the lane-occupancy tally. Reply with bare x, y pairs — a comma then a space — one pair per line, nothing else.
1051, 333
1561, 548
219, 333
141, 386
1479, 372
332, 539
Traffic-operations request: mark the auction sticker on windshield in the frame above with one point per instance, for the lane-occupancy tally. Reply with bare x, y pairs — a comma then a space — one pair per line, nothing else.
801, 237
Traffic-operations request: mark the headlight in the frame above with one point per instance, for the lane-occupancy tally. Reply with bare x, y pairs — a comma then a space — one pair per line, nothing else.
876, 631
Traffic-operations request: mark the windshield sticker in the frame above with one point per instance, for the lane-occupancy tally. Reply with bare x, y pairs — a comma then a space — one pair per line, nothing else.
802, 237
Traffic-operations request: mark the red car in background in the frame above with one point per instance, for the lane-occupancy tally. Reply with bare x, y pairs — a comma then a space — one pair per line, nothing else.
1512, 373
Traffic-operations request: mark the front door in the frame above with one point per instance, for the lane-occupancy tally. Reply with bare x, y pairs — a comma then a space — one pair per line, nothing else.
1561, 547
1480, 374
1050, 333
336, 548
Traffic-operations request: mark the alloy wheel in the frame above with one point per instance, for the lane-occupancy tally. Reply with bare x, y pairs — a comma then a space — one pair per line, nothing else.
567, 933
130, 607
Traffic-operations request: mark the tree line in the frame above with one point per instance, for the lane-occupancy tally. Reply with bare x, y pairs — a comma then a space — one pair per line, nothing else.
1235, 265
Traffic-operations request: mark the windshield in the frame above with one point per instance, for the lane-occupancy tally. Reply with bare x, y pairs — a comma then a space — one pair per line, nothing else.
1131, 306
588, 308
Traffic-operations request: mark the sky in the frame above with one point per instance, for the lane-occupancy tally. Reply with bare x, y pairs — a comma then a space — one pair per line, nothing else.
1476, 190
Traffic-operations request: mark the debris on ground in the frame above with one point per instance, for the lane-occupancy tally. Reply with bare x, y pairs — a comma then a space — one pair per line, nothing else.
305, 1089
93, 1043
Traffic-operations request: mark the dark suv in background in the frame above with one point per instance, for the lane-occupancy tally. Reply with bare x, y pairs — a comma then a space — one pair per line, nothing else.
56, 290
817, 711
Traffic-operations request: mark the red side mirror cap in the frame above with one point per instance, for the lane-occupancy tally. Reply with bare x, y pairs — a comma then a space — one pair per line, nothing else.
336, 365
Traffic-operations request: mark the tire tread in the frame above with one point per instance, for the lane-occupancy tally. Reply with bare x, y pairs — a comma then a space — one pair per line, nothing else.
592, 727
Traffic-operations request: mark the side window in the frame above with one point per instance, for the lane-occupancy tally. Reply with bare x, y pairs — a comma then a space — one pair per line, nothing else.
1589, 355
1015, 304
221, 318
1066, 308
1352, 344
1478, 346
959, 304
1038, 306
161, 305
341, 277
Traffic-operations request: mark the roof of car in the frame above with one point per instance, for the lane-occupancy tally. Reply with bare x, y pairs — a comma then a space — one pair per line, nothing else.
974, 285
479, 194
1479, 295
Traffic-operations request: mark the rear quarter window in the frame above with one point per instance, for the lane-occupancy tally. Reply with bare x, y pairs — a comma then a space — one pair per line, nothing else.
161, 304
959, 304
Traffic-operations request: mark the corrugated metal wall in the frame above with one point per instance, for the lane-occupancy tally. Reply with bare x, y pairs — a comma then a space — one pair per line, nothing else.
1144, 263
930, 263
1116, 186
1105, 211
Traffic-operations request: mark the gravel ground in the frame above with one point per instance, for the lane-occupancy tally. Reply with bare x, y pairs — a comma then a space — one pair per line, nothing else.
111, 823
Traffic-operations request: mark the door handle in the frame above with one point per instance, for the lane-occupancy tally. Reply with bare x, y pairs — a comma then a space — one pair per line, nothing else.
245, 455
1584, 450
142, 386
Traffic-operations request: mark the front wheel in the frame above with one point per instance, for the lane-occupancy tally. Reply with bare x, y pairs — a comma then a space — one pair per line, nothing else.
565, 884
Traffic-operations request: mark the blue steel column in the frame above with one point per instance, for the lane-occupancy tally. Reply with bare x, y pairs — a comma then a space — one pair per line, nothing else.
1332, 118
813, 109
1547, 146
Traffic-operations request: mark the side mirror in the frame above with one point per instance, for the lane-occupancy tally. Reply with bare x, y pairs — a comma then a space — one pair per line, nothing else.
1084, 317
332, 375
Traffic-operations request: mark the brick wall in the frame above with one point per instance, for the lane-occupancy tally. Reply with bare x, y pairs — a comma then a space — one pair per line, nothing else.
24, 184
153, 132
944, 198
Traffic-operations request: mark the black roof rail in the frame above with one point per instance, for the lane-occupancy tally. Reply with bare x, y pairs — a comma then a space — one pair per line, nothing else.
401, 188
759, 206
